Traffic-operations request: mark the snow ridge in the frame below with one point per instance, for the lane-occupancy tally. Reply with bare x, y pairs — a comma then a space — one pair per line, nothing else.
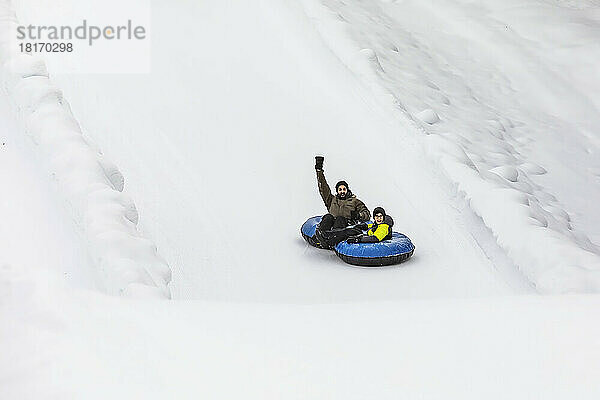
480, 155
128, 263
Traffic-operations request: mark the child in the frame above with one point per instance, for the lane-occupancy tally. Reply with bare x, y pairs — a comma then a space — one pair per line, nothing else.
378, 231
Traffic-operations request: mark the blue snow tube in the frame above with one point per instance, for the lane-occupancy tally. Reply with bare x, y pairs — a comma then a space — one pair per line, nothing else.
388, 252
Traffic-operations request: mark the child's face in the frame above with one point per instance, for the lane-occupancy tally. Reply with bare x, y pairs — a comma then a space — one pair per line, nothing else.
378, 218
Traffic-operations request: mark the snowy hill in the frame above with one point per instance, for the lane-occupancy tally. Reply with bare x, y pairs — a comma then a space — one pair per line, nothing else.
475, 126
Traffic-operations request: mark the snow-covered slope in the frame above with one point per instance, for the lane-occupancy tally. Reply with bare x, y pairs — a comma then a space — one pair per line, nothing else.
235, 132
216, 146
281, 97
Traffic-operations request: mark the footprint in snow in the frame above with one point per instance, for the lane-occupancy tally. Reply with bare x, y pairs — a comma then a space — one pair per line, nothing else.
497, 125
533, 169
538, 219
372, 58
507, 172
428, 116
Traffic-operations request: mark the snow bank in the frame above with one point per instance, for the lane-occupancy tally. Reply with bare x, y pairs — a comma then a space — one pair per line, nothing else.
476, 146
128, 263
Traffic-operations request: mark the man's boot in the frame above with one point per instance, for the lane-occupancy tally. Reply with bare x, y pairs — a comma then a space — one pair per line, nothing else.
322, 238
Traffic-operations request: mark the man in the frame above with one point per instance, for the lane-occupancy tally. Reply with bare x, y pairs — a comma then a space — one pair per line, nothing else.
344, 208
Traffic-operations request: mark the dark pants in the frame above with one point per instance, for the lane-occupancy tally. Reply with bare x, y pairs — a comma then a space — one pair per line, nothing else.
329, 221
336, 236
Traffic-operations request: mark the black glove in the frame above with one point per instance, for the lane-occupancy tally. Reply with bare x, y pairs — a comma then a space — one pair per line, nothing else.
369, 239
319, 163
353, 239
363, 226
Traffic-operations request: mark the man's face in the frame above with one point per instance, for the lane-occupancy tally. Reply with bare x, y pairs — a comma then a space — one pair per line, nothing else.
378, 218
342, 191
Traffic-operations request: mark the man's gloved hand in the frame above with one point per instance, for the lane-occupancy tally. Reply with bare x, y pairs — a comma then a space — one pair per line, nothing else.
353, 239
319, 163
363, 226
365, 216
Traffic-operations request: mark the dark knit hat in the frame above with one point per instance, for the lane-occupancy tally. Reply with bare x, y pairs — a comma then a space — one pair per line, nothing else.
378, 210
341, 183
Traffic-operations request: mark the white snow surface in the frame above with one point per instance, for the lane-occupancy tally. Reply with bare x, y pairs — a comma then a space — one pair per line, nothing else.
58, 343
474, 124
